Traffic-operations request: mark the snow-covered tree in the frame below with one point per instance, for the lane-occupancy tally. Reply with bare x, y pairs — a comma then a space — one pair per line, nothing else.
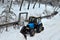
9, 15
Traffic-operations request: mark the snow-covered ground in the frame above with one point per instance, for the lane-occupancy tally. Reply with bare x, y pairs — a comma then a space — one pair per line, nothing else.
52, 26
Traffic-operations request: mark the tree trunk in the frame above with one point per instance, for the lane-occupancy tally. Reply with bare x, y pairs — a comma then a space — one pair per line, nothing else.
2, 1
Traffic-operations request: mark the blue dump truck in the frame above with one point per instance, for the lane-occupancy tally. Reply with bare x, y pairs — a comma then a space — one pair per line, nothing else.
34, 26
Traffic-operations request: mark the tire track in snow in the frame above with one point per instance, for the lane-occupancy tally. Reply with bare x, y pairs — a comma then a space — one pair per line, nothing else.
54, 35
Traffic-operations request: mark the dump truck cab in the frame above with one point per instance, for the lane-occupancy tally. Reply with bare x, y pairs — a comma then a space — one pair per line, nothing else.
32, 19
35, 20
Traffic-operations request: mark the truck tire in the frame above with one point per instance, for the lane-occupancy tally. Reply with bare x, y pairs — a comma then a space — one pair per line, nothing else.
39, 28
32, 32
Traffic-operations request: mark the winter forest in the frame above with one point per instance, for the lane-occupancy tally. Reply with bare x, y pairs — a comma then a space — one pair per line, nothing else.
29, 19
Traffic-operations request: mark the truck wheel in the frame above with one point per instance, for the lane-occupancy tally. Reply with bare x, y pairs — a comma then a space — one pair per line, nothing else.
39, 29
32, 32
